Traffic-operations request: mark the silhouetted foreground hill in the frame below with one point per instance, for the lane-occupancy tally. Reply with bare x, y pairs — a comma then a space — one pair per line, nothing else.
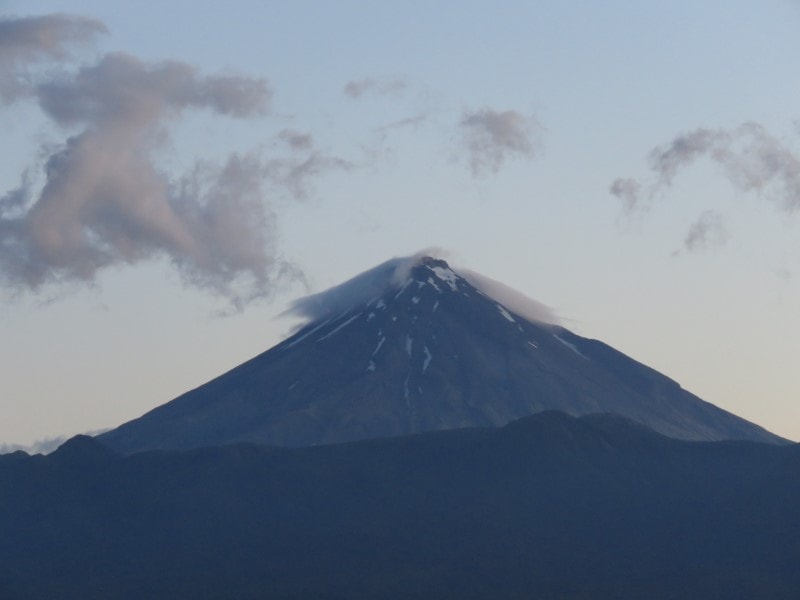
547, 507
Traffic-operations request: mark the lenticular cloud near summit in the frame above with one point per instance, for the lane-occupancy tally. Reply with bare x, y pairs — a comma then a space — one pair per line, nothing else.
393, 273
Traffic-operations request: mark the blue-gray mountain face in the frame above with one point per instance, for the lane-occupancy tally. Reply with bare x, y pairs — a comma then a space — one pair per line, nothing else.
412, 347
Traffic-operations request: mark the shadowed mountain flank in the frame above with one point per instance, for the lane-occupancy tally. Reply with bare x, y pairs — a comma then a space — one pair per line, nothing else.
413, 346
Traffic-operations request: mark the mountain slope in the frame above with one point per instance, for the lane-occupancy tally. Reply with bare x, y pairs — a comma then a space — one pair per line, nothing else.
549, 507
414, 346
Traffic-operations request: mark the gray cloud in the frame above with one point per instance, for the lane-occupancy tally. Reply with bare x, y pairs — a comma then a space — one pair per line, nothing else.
16, 199
378, 149
750, 158
368, 85
122, 91
627, 190
297, 174
492, 137
297, 140
228, 232
707, 230
104, 201
27, 41
685, 149
407, 122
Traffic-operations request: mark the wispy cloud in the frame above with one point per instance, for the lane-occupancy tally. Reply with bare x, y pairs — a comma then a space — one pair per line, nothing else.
297, 172
707, 230
750, 158
45, 446
492, 137
404, 123
297, 175
358, 88
629, 191
297, 140
379, 149
27, 41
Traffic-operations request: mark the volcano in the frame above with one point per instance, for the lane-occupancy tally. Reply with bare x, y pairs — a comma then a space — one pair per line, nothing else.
413, 346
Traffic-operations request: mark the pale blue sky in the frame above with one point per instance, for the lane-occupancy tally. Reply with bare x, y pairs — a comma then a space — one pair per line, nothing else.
599, 85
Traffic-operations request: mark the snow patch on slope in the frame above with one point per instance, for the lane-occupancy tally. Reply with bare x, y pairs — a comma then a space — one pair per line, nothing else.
305, 335
571, 346
428, 358
339, 328
407, 283
505, 313
446, 275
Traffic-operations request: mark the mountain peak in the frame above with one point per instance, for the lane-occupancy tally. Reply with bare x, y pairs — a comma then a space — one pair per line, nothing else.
390, 275
397, 273
435, 272
413, 345
427, 265
82, 449
430, 261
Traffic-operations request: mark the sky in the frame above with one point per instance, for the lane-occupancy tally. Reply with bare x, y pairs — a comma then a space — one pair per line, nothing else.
173, 175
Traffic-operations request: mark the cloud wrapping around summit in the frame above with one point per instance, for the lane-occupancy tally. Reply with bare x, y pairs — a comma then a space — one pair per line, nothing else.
514, 300
391, 274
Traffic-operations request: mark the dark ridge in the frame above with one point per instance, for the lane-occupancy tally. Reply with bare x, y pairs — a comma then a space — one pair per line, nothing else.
551, 507
82, 449
15, 456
